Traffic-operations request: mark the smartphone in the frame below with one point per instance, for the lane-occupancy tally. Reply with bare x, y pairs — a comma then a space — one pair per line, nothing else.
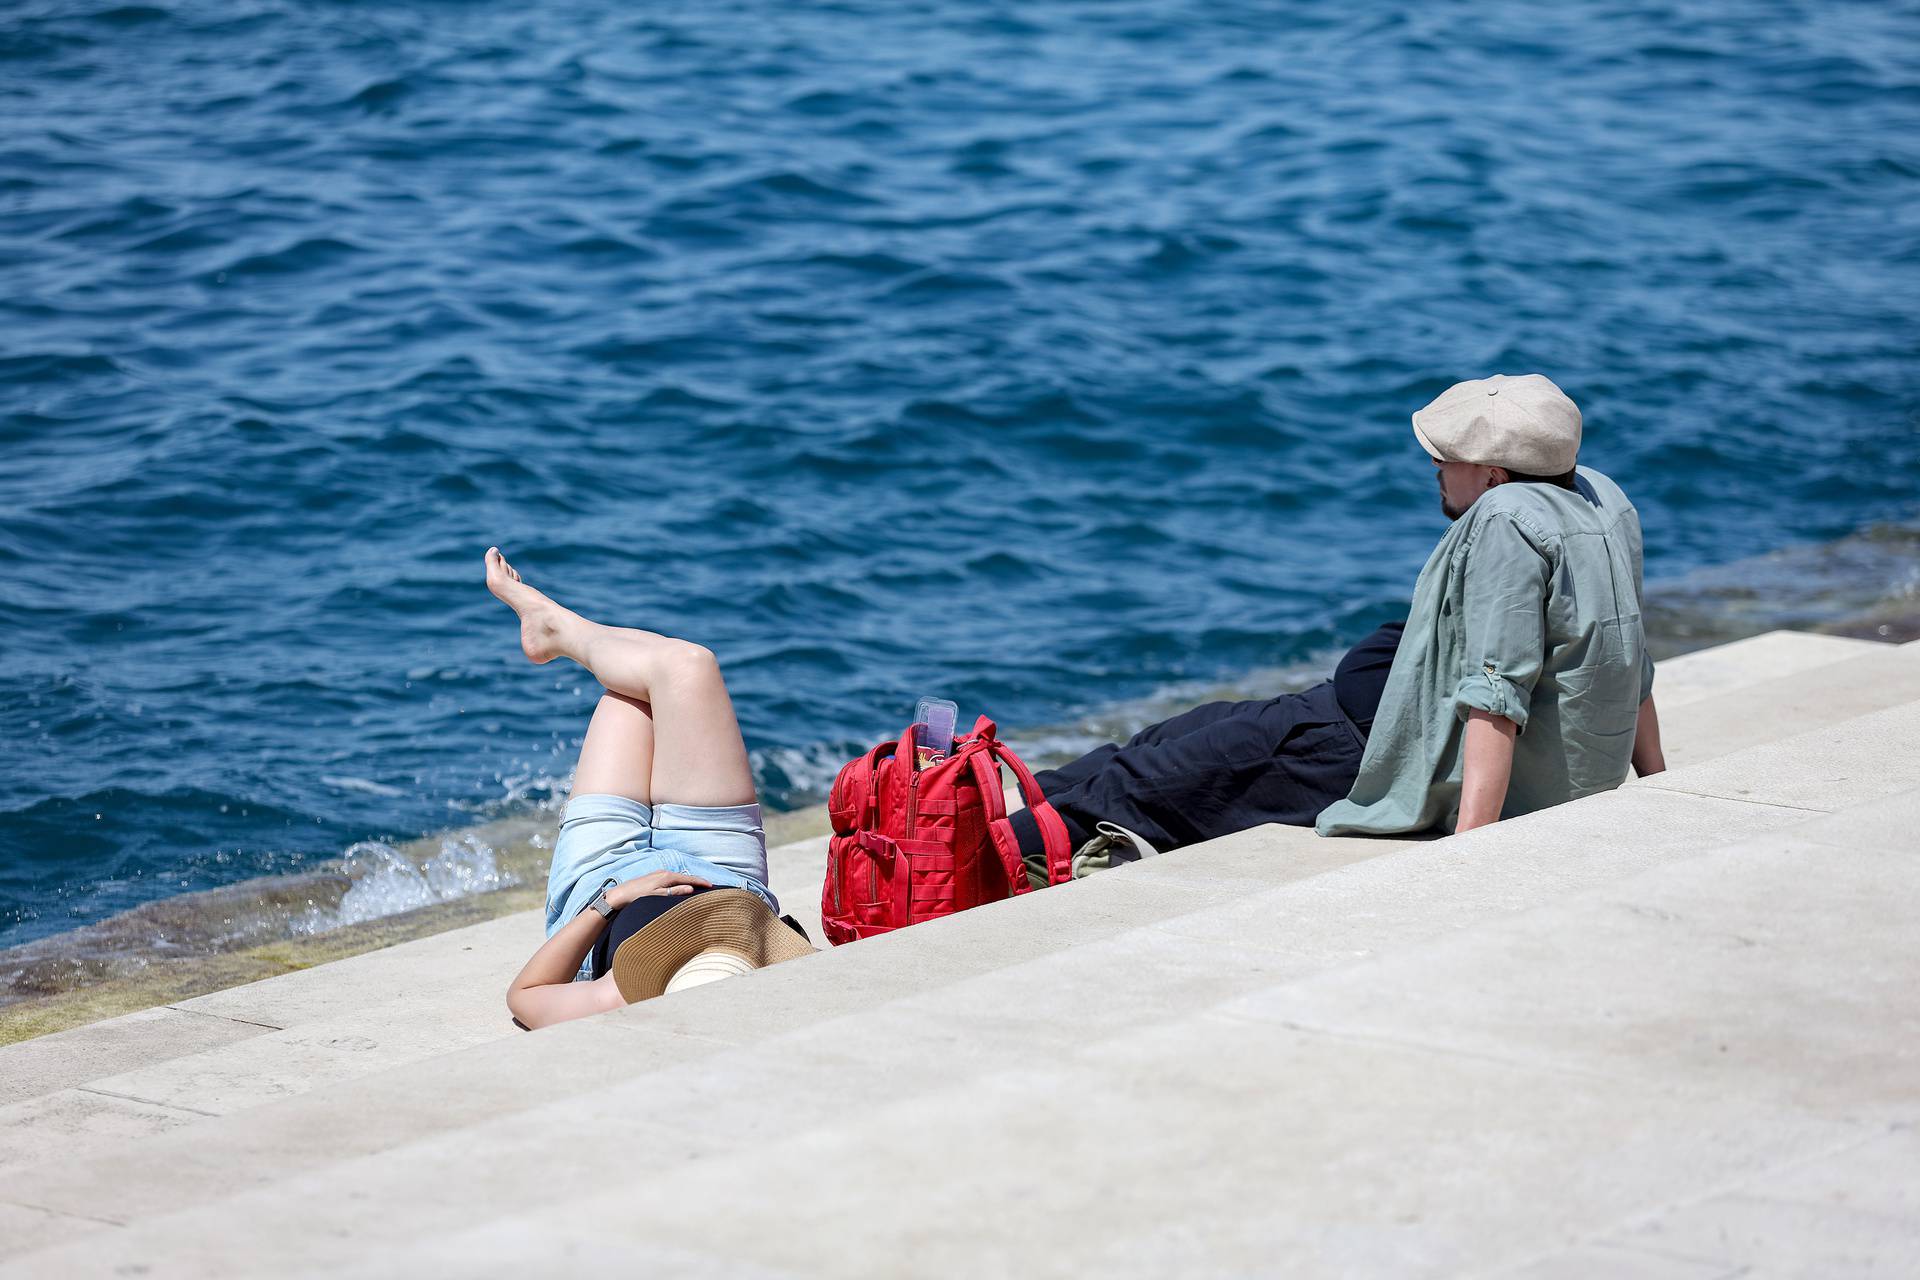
933, 721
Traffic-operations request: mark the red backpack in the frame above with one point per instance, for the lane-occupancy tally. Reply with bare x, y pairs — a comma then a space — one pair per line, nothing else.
911, 845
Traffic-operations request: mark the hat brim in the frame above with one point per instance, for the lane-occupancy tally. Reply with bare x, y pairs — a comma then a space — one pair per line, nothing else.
735, 920
1419, 433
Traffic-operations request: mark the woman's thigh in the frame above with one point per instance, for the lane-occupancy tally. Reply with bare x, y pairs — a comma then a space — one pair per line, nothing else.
699, 758
616, 756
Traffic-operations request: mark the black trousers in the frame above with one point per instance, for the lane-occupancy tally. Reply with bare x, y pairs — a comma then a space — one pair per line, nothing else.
1217, 769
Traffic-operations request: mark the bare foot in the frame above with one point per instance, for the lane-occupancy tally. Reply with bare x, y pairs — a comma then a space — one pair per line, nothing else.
543, 624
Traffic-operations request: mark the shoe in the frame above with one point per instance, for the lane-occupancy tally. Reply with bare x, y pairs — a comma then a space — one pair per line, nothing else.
1111, 846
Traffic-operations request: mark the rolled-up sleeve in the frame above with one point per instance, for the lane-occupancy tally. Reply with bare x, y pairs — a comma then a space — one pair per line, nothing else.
1504, 585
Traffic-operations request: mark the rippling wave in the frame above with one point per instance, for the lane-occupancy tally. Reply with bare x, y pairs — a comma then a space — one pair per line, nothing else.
1044, 357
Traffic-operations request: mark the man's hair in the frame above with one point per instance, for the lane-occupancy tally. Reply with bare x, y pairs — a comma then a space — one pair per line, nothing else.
1561, 481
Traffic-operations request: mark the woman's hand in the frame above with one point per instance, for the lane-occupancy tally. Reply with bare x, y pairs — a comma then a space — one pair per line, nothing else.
670, 884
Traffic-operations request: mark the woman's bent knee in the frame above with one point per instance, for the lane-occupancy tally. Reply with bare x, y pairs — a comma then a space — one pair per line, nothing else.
692, 663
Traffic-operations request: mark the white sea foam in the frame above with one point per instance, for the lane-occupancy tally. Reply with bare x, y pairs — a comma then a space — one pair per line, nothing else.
386, 882
541, 792
808, 770
361, 784
544, 791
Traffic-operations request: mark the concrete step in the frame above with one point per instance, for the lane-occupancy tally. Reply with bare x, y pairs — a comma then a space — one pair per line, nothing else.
40, 1066
493, 1078
796, 873
1182, 928
1419, 1090
102, 1086
1713, 720
1699, 1069
1724, 668
1702, 1069
156, 1069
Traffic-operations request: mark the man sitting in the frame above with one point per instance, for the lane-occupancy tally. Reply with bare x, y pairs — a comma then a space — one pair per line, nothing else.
1521, 679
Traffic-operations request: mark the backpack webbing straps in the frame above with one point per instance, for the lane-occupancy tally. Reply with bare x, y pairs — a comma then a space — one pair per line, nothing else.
1054, 840
862, 779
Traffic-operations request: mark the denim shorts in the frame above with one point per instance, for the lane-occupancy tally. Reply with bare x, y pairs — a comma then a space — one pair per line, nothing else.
607, 838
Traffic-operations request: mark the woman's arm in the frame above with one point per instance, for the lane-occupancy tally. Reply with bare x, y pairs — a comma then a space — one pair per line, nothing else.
545, 992
1486, 769
1648, 758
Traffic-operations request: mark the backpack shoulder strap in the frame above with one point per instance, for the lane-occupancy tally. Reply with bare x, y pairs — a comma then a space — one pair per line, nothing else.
986, 753
1054, 840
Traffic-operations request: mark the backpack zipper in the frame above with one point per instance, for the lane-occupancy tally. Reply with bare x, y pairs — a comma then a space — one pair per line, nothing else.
913, 814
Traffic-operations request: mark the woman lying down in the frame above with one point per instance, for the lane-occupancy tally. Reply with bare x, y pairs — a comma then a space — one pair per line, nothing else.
659, 875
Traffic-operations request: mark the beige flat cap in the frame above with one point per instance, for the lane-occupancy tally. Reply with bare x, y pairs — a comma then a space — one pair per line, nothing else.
1523, 423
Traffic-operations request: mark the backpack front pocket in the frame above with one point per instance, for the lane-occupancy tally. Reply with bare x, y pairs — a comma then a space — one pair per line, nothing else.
928, 868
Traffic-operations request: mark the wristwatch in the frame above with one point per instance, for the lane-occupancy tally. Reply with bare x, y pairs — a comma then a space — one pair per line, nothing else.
599, 903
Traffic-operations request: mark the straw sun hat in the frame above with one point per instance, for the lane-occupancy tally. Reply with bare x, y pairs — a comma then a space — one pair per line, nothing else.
677, 943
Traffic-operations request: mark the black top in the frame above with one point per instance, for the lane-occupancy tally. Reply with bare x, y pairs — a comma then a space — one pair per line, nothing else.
629, 920
1361, 677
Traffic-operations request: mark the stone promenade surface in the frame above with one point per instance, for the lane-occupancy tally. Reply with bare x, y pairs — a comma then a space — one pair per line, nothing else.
1668, 1031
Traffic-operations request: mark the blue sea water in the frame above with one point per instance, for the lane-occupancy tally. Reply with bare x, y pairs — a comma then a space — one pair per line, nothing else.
1039, 355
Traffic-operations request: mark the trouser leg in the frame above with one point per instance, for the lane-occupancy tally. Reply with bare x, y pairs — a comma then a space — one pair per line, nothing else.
1237, 766
1076, 771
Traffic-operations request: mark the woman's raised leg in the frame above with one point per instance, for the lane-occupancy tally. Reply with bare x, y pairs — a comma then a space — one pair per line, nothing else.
616, 756
697, 756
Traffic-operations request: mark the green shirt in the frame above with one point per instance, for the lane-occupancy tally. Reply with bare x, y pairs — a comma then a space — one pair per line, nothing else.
1530, 609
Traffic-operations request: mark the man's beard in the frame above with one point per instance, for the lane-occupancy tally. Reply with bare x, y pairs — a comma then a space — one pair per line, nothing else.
1452, 512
